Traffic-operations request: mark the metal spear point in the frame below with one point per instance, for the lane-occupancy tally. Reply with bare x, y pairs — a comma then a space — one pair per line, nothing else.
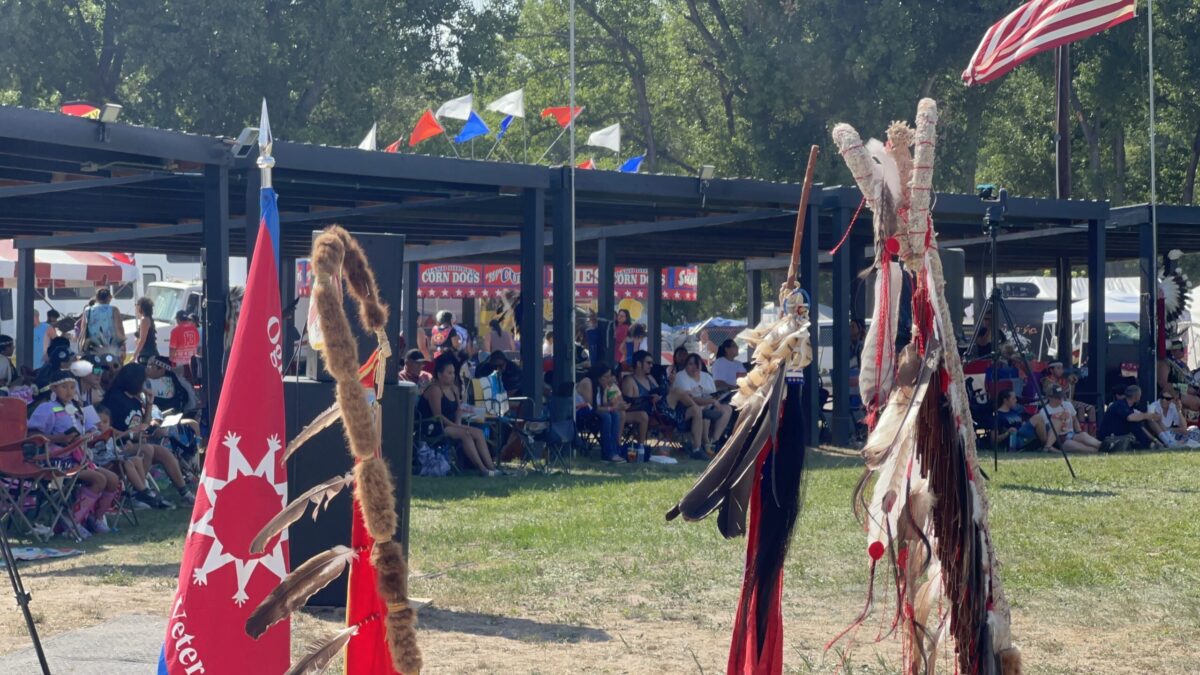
265, 141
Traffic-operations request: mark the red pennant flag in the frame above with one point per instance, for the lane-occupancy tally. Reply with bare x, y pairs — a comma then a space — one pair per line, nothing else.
561, 114
588, 163
244, 484
395, 146
80, 109
427, 127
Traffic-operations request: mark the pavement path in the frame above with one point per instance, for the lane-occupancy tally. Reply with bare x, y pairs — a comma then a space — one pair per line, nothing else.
127, 644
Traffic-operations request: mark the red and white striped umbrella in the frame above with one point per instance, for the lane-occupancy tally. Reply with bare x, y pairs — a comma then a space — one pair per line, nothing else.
67, 268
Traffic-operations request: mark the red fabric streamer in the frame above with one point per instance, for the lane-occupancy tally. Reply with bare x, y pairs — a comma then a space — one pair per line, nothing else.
743, 653
367, 652
849, 227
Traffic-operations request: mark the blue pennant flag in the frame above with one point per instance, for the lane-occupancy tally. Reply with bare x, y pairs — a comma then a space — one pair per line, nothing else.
504, 123
632, 164
472, 129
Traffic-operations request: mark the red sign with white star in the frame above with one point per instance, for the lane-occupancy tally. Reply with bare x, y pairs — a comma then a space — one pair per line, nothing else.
243, 485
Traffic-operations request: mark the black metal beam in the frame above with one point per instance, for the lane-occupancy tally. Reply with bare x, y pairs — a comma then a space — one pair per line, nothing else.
506, 244
112, 237
754, 299
216, 278
26, 285
654, 318
810, 281
378, 209
1063, 278
1097, 329
840, 372
606, 258
563, 251
533, 285
76, 185
1147, 344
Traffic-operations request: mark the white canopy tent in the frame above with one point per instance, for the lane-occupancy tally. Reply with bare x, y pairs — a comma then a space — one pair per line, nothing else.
1121, 308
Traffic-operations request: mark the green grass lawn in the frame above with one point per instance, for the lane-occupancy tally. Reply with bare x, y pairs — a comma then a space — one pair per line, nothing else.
581, 573
1115, 549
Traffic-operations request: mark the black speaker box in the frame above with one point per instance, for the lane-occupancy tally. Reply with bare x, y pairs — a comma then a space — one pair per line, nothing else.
326, 455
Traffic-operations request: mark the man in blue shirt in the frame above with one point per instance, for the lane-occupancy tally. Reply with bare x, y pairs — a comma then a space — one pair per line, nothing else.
1124, 419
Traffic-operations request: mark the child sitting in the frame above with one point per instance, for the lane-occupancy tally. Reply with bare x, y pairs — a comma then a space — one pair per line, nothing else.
110, 452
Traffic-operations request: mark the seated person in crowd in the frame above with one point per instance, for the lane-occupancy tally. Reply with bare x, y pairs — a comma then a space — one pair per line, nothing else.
643, 392
726, 369
608, 393
59, 357
111, 453
442, 402
168, 392
1173, 372
8, 368
1062, 424
1056, 375
593, 402
60, 419
693, 394
636, 340
1010, 428
1169, 428
414, 371
1124, 419
678, 363
510, 373
130, 413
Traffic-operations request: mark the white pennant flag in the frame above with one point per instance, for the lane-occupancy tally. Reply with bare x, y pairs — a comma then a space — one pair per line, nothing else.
368, 141
608, 137
456, 108
512, 103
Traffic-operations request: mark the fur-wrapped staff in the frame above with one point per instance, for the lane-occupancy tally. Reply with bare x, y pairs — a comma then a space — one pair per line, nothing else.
927, 518
374, 556
760, 469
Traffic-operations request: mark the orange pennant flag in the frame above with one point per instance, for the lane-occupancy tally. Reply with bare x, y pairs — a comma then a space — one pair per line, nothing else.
427, 127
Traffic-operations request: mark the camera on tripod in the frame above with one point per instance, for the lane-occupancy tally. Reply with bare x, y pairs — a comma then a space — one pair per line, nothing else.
996, 200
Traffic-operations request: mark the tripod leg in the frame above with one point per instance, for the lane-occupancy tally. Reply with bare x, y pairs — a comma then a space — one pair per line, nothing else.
1008, 321
14, 577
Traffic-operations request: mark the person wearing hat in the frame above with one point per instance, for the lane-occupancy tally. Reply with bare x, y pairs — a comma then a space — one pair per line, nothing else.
414, 370
1173, 372
58, 359
8, 369
1056, 376
61, 420
167, 390
1062, 425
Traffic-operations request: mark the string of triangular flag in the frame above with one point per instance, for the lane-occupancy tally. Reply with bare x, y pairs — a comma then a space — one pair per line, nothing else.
511, 106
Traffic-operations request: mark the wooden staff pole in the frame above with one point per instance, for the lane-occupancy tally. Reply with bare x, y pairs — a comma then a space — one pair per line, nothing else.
802, 215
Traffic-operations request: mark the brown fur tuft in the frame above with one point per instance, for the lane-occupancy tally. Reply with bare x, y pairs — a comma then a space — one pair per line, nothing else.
402, 640
391, 571
1010, 661
374, 490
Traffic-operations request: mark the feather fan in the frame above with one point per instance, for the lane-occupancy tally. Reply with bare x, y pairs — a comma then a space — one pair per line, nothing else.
319, 494
321, 653
320, 423
297, 588
887, 173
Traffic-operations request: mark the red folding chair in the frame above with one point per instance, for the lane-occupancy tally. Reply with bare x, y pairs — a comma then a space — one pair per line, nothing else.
27, 479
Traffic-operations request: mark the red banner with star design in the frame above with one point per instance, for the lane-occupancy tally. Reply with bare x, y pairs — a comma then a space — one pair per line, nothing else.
244, 484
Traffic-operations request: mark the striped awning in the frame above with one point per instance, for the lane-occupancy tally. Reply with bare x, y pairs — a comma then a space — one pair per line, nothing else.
61, 269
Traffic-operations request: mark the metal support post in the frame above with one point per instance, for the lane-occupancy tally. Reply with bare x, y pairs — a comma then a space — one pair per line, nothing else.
654, 318
809, 282
216, 281
26, 292
606, 304
1065, 322
533, 284
563, 401
754, 299
1097, 339
1148, 342
412, 312
253, 213
840, 372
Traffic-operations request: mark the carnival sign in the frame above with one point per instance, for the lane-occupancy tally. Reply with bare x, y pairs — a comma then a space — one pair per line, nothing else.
493, 281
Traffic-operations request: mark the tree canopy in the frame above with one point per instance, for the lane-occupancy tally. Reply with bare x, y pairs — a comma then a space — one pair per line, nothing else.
745, 85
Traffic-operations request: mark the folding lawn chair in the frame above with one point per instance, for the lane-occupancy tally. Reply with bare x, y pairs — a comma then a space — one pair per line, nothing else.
49, 488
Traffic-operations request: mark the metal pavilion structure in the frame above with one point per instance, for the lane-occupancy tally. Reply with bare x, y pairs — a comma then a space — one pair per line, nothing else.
79, 184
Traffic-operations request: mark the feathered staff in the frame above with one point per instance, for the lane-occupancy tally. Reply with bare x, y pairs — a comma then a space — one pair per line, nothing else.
374, 554
927, 517
760, 469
